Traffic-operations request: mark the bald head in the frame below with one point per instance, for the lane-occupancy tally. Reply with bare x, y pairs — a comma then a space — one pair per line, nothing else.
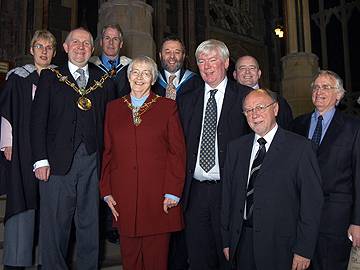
247, 71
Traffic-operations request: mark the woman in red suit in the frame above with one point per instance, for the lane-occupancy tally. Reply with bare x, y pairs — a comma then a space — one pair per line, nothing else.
143, 169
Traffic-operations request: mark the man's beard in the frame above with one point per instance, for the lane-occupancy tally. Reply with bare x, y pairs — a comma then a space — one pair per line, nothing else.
171, 69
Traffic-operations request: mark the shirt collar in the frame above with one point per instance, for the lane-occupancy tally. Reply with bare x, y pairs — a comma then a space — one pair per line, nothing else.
73, 68
167, 74
256, 86
106, 59
221, 86
327, 116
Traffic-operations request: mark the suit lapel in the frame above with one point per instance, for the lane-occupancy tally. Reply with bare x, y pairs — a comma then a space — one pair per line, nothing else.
197, 115
229, 100
273, 152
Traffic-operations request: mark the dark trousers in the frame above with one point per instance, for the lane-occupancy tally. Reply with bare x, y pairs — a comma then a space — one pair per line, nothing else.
178, 256
74, 196
245, 259
331, 253
202, 229
145, 252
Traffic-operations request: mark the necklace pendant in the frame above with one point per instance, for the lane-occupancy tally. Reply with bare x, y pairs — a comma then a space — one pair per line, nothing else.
137, 120
84, 103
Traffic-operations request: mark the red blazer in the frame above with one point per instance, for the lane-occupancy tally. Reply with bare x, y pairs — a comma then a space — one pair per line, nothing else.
143, 163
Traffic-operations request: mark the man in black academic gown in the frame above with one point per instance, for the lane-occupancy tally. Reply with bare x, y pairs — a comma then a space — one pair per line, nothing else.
174, 79
66, 137
110, 60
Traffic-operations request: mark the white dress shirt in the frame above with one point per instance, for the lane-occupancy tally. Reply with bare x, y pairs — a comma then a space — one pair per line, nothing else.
214, 173
176, 80
268, 138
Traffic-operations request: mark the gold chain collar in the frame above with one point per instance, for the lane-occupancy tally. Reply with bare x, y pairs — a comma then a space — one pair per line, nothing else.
81, 91
138, 111
83, 102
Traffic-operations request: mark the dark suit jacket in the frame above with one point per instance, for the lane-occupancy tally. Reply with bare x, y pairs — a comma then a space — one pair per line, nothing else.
339, 161
285, 116
53, 117
232, 124
193, 83
287, 199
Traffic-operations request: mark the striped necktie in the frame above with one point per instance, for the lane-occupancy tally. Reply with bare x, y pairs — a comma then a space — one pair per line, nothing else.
260, 155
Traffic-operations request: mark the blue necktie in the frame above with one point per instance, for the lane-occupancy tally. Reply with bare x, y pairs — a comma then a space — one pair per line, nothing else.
316, 138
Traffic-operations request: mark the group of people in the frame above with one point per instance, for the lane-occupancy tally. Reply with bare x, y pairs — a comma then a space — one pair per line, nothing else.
196, 171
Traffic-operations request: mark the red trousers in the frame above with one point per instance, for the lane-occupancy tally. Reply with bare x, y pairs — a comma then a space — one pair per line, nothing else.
146, 252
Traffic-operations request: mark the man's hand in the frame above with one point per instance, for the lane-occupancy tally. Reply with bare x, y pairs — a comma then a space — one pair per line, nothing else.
168, 203
300, 263
42, 173
227, 253
111, 203
354, 235
8, 152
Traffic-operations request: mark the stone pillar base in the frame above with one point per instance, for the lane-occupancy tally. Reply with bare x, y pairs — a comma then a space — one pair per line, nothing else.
298, 72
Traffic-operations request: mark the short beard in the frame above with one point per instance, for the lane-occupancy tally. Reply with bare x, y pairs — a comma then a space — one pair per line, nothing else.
165, 66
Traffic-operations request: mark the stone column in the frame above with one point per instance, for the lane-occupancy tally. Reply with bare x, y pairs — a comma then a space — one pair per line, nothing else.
135, 19
299, 65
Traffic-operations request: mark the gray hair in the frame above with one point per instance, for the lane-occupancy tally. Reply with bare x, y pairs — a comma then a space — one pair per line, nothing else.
212, 45
147, 60
115, 26
82, 29
339, 82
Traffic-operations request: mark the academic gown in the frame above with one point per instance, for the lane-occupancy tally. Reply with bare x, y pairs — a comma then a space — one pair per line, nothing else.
15, 106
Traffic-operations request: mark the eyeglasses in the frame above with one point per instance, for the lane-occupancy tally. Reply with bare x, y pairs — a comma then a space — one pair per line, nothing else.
257, 109
146, 74
42, 47
325, 87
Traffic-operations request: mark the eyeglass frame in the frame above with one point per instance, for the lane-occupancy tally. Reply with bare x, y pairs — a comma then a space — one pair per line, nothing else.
258, 109
42, 47
136, 73
324, 87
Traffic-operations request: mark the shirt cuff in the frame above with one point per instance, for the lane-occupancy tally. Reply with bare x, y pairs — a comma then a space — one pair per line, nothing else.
41, 163
106, 198
6, 134
173, 197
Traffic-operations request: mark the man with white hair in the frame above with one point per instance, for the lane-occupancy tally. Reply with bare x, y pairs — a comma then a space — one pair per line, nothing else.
211, 116
337, 137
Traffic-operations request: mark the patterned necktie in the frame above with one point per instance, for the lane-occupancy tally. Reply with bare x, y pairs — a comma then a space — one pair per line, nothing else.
81, 80
207, 147
316, 138
112, 64
170, 88
253, 173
